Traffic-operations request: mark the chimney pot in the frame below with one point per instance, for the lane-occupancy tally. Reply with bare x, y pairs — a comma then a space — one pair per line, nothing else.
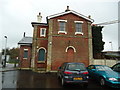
89, 16
67, 9
24, 34
39, 17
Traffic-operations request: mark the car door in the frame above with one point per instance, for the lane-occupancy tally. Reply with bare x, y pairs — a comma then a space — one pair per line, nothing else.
91, 70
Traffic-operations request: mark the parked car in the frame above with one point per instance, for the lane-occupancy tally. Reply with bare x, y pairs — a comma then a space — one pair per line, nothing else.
116, 67
73, 73
105, 75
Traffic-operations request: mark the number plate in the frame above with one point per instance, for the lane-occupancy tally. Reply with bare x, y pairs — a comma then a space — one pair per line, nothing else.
77, 78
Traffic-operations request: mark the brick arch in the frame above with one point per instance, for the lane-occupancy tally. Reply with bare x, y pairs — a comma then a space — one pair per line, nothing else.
41, 54
70, 47
42, 48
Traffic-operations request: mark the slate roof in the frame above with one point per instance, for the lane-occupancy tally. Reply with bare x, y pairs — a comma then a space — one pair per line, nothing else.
25, 40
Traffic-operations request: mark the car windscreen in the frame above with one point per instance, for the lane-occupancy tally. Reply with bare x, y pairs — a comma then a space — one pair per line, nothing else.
79, 67
103, 68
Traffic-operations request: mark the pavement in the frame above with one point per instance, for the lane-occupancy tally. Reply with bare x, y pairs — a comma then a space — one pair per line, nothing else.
9, 67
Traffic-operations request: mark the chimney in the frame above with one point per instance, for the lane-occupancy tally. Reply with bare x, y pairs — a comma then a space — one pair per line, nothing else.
67, 9
89, 16
39, 17
24, 34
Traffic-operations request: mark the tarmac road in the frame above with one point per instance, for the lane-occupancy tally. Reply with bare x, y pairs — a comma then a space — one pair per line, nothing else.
29, 79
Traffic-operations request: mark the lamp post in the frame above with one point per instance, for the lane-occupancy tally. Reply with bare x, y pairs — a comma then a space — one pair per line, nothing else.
4, 61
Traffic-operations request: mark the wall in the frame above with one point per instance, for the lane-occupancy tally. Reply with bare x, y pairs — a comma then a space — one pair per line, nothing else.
61, 41
105, 62
25, 63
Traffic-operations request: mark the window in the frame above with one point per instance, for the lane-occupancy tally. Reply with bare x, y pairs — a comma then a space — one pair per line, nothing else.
25, 55
62, 26
43, 32
78, 27
41, 55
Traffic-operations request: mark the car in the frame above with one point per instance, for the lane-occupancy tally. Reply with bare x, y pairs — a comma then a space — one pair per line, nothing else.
74, 73
116, 67
105, 75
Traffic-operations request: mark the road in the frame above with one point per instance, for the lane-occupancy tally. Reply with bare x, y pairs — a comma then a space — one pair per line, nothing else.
29, 79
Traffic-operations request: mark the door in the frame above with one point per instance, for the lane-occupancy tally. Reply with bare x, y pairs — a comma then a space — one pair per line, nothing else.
70, 55
41, 55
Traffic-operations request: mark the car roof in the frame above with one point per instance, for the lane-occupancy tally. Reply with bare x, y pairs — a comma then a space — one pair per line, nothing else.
73, 63
97, 65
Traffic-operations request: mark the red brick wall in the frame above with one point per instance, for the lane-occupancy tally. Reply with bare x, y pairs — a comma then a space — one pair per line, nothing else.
62, 41
25, 63
41, 42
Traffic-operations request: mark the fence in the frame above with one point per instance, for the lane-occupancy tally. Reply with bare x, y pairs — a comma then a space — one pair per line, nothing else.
105, 62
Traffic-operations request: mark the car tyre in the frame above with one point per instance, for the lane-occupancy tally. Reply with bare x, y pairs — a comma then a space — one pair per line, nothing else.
85, 85
102, 81
62, 82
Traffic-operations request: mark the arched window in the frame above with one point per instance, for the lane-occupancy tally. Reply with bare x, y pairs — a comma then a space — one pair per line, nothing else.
41, 55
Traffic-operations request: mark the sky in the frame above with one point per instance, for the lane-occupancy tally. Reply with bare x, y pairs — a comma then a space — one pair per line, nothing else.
16, 17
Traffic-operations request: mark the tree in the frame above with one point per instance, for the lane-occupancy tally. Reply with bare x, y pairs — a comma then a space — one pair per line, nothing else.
14, 52
98, 44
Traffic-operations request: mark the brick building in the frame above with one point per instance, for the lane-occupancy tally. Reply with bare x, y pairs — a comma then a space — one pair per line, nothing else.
66, 37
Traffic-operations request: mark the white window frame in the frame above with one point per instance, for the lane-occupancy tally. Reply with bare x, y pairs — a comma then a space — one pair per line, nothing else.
59, 20
42, 35
75, 27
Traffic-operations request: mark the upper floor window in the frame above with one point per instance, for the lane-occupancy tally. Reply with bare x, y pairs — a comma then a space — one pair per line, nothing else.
62, 26
43, 32
78, 27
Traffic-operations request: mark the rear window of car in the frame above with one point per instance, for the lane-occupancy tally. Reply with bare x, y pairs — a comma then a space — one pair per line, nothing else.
80, 67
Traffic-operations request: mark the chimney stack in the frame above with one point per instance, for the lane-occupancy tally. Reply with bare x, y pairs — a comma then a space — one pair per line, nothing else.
24, 34
67, 9
39, 17
89, 16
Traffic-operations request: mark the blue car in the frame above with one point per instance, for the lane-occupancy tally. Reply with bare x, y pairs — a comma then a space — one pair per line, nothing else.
75, 73
105, 75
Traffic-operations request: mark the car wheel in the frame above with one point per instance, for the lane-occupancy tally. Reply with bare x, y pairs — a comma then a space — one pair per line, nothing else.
102, 82
62, 82
85, 85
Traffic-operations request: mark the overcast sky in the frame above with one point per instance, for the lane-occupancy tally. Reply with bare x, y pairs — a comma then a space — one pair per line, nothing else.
16, 17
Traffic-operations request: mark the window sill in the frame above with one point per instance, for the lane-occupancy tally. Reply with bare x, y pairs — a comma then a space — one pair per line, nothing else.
76, 33
62, 32
42, 36
40, 61
25, 58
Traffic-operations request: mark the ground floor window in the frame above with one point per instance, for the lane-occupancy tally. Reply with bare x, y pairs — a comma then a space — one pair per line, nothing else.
41, 55
25, 54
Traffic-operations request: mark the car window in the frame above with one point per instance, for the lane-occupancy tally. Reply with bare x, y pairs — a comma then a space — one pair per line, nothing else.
103, 68
76, 67
116, 67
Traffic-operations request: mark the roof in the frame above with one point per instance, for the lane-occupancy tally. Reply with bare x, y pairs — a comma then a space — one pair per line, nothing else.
37, 23
70, 11
25, 41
